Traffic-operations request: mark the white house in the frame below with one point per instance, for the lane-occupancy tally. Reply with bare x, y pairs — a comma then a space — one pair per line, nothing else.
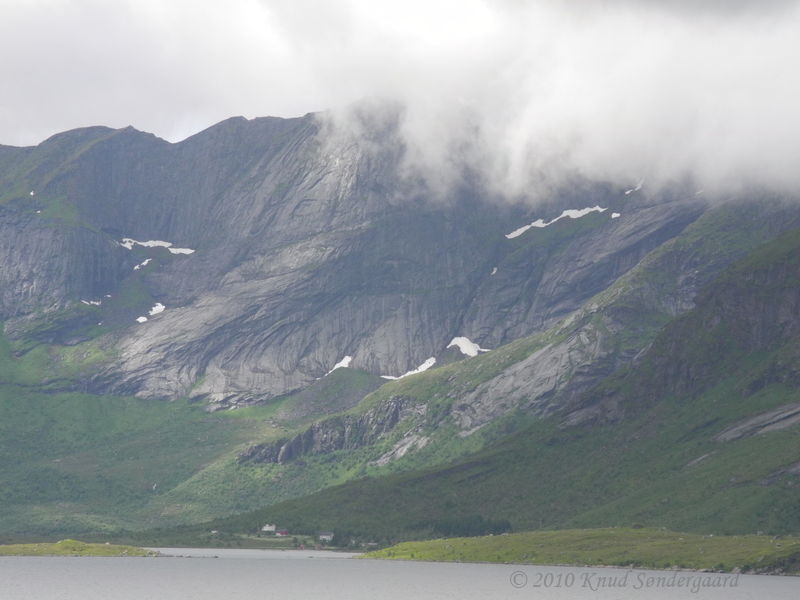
325, 536
268, 528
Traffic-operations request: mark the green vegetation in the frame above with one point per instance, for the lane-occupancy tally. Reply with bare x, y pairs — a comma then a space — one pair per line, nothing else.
650, 548
331, 394
21, 172
75, 462
31, 368
73, 548
649, 450
41, 170
661, 469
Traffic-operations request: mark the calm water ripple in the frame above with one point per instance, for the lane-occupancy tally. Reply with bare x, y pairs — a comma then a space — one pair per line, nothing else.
254, 574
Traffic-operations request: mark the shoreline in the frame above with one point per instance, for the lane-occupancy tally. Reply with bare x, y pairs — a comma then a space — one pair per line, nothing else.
75, 548
257, 553
621, 548
296, 554
579, 566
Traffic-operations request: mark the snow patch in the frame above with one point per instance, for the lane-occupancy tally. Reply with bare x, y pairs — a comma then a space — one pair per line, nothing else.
615, 215
129, 243
493, 271
635, 189
572, 213
92, 302
423, 367
157, 308
142, 264
342, 364
33, 193
518, 232
466, 346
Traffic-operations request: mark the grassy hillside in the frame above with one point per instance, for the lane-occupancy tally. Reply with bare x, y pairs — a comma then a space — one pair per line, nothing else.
73, 548
651, 548
73, 462
663, 469
689, 439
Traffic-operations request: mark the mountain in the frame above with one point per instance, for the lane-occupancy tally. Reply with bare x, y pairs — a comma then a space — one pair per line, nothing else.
292, 273
293, 248
698, 434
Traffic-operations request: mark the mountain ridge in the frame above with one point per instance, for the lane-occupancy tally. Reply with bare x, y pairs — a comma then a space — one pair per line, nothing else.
231, 272
286, 227
664, 460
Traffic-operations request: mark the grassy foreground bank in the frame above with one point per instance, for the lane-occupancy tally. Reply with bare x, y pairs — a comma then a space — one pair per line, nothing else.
648, 548
72, 548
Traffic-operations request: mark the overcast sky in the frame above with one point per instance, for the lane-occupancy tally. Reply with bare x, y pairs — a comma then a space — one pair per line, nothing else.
614, 89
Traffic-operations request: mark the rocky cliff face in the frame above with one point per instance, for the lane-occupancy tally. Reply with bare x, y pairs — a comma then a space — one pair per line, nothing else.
291, 248
618, 325
347, 432
246, 262
555, 372
747, 319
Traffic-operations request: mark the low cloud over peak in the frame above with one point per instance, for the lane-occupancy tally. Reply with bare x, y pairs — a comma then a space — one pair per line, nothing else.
526, 92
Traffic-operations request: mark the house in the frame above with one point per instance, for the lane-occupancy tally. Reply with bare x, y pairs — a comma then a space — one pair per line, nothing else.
282, 532
268, 528
325, 536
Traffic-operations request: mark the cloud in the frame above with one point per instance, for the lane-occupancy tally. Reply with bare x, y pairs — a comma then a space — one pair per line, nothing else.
526, 92
612, 91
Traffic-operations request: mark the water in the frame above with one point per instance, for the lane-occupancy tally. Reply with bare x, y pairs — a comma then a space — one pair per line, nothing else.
257, 574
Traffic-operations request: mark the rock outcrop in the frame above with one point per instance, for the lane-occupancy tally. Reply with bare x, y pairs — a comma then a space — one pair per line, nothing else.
300, 246
347, 432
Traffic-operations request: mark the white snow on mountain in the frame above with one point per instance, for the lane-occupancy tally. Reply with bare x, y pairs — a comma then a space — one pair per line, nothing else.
635, 189
342, 364
129, 243
423, 367
466, 346
572, 213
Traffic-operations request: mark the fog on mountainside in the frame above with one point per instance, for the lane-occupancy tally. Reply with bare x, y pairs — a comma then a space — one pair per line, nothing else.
517, 266
528, 95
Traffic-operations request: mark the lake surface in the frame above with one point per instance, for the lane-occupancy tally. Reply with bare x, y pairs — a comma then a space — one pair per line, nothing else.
256, 574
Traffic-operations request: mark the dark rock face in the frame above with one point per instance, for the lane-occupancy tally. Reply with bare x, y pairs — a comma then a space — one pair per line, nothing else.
308, 246
752, 311
753, 308
47, 267
346, 432
560, 372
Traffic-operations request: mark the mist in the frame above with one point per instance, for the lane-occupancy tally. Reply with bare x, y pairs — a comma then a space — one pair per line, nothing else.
527, 94
532, 96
